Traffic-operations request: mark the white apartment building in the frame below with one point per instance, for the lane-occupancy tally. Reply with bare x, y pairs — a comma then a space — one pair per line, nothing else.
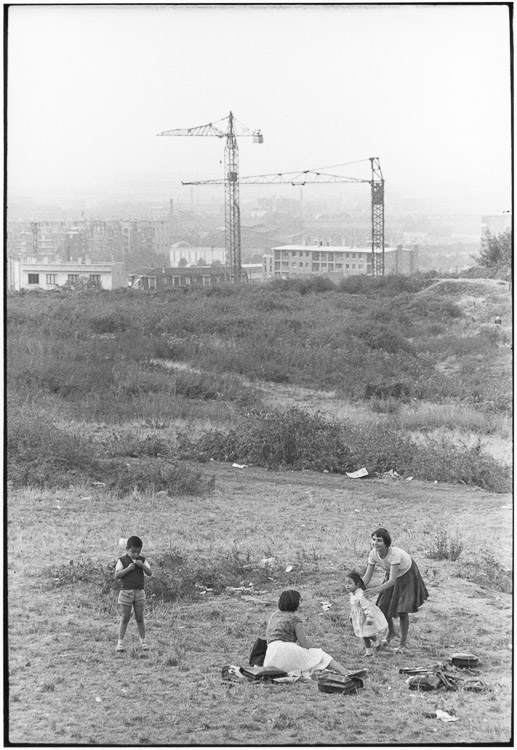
334, 261
183, 254
50, 273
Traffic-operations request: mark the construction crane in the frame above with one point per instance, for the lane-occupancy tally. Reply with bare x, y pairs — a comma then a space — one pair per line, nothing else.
309, 176
232, 215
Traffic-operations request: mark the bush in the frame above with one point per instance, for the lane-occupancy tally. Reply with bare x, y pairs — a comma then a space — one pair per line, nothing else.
445, 547
290, 438
42, 455
155, 475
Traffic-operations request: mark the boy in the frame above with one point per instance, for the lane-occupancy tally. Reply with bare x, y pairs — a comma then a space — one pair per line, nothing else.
130, 571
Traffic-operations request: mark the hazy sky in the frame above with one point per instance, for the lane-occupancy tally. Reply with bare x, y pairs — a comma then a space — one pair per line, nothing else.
424, 88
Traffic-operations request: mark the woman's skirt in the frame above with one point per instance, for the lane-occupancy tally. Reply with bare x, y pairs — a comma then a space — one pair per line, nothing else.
291, 657
407, 595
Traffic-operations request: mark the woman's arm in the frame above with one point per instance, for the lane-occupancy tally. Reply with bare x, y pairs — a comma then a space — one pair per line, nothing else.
300, 635
369, 573
392, 580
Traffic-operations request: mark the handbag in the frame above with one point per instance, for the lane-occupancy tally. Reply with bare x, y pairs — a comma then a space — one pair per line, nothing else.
258, 653
265, 674
346, 684
464, 661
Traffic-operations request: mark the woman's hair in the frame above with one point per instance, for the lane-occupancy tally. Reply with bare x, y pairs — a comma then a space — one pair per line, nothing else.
385, 534
356, 578
289, 601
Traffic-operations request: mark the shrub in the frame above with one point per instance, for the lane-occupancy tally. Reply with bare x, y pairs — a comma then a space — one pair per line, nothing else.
445, 547
278, 438
155, 475
42, 455
488, 571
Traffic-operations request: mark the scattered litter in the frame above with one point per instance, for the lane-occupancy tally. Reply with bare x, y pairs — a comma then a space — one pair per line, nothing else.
86, 498
58, 507
409, 479
326, 606
122, 542
392, 473
98, 484
268, 562
289, 568
98, 700
240, 588
435, 481
357, 474
444, 716
239, 466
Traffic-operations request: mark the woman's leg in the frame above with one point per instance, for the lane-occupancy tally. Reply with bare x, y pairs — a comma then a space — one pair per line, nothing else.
404, 627
391, 629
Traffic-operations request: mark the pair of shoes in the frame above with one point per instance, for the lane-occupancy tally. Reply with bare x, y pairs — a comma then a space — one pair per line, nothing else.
144, 646
368, 652
120, 648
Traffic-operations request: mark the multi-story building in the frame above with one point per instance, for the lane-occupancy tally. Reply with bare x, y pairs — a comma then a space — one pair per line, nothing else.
51, 273
182, 254
334, 261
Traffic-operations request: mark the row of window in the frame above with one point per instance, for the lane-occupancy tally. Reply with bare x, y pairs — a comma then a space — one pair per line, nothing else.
318, 255
319, 267
73, 278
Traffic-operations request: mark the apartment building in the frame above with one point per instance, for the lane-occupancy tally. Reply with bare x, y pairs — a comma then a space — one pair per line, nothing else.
50, 273
291, 261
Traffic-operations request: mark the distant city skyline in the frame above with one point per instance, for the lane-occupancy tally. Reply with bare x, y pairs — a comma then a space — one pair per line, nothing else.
426, 88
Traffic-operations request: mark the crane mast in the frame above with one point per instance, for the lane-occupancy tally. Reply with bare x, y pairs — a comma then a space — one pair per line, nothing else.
232, 214
377, 186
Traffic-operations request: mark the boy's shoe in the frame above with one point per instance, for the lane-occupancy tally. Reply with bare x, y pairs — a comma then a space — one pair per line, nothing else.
368, 652
144, 646
120, 648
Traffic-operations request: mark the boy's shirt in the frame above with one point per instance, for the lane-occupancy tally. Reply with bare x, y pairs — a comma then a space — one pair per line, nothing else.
135, 578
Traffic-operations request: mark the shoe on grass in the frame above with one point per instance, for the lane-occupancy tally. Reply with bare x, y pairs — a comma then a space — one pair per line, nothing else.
144, 646
120, 648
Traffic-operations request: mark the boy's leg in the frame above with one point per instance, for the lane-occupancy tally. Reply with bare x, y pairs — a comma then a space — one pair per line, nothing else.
125, 610
368, 646
139, 617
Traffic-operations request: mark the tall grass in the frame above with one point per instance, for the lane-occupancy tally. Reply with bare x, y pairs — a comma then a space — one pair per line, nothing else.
111, 357
298, 440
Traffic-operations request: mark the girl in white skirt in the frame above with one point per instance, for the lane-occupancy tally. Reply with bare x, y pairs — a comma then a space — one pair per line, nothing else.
287, 644
367, 619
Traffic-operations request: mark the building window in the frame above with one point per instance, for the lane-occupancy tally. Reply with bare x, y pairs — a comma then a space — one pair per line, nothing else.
50, 278
73, 278
315, 266
95, 279
347, 265
34, 278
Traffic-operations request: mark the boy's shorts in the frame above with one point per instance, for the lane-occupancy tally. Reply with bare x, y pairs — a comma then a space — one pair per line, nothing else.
128, 597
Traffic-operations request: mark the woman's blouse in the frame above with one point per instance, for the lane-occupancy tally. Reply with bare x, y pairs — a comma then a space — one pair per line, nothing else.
281, 627
395, 555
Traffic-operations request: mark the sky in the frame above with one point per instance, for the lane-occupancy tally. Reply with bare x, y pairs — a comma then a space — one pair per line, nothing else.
425, 88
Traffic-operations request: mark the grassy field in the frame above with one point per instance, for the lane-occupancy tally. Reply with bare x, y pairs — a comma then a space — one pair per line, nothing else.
125, 414
67, 685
